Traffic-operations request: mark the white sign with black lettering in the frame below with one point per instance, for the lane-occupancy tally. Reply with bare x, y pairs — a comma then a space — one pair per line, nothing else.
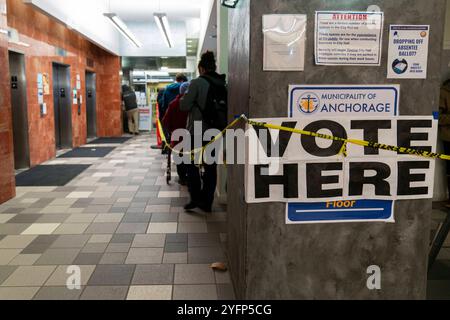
348, 38
301, 168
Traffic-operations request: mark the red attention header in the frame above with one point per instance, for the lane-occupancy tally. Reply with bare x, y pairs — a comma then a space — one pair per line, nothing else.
350, 16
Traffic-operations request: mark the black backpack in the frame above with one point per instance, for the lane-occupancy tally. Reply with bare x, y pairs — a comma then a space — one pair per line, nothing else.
215, 115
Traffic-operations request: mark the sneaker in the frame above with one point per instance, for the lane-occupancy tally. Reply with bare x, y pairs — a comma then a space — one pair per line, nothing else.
190, 206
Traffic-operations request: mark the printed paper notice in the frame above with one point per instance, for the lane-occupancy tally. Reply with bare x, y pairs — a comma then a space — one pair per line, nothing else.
408, 52
348, 38
284, 42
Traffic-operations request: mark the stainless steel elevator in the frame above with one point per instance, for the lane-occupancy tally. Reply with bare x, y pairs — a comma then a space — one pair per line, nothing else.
91, 105
19, 110
62, 98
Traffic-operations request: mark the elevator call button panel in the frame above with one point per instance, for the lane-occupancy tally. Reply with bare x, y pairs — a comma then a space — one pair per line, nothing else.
14, 82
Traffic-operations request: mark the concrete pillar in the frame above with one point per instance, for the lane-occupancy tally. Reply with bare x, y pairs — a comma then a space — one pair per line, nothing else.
271, 260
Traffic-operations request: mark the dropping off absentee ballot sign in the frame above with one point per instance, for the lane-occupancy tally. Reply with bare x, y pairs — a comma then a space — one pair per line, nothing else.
408, 51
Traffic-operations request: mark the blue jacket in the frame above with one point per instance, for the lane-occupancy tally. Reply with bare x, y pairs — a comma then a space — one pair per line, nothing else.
170, 94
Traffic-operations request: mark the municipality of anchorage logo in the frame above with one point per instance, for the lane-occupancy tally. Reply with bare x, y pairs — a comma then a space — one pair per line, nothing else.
308, 103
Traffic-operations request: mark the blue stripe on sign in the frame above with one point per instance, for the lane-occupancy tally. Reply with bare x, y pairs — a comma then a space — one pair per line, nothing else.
361, 210
436, 115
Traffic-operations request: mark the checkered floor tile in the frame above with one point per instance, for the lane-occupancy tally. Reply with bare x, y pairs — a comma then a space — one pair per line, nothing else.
118, 228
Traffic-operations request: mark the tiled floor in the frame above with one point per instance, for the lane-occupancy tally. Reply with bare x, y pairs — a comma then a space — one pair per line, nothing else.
121, 225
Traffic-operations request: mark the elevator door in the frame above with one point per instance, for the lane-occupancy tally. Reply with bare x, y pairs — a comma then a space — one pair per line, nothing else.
91, 105
62, 106
19, 110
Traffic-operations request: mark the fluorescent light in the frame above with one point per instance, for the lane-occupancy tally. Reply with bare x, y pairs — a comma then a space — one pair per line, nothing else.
123, 29
163, 24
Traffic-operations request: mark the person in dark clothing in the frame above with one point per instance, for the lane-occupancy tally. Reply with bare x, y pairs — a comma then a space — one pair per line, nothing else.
160, 98
130, 102
201, 187
170, 93
176, 119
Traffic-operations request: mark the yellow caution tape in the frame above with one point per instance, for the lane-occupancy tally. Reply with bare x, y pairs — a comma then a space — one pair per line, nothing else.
343, 151
200, 150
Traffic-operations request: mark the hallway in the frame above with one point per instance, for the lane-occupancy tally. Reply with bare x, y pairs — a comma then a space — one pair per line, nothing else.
121, 224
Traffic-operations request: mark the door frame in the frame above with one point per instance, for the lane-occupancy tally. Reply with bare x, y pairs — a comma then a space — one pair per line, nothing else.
27, 124
95, 114
69, 100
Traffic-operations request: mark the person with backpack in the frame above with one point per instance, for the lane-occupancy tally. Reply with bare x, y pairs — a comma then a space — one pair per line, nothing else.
206, 102
170, 93
176, 119
130, 103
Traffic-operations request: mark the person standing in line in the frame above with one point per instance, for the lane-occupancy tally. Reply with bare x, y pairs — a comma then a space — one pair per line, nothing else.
176, 119
130, 102
170, 93
160, 98
200, 101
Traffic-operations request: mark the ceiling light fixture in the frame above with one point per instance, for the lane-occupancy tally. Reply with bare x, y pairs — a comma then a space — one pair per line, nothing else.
123, 29
163, 24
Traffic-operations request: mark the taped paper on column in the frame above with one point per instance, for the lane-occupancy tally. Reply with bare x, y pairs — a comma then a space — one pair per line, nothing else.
348, 38
284, 42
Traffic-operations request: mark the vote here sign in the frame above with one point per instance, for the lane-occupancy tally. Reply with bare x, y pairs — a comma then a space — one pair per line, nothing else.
287, 167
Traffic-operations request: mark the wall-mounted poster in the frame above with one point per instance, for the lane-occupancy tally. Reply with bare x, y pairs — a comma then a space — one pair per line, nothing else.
366, 102
284, 42
408, 52
303, 169
78, 82
348, 38
75, 96
40, 87
46, 83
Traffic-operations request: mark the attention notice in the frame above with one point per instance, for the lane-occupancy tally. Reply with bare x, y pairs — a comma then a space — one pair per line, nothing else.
348, 38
